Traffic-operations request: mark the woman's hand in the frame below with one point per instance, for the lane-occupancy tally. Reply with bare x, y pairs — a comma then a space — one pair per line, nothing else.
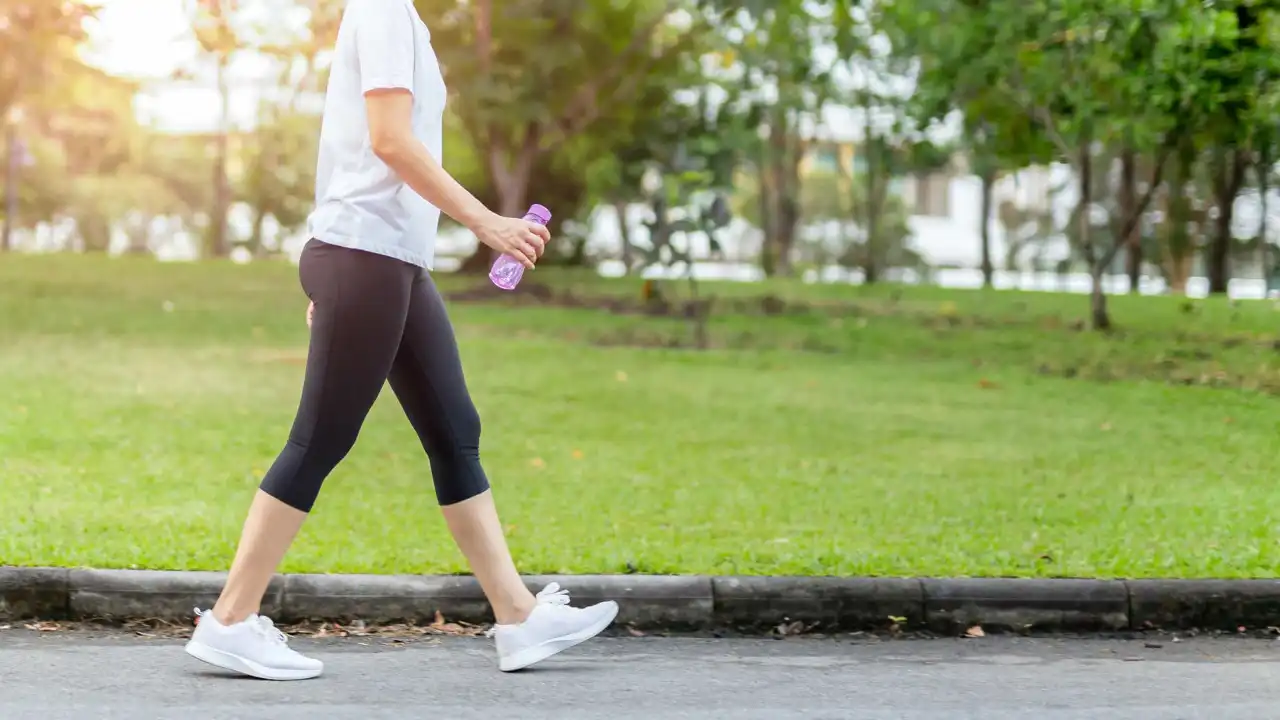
521, 239
311, 313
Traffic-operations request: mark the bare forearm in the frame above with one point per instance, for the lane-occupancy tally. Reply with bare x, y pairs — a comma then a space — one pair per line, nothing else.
424, 175
393, 141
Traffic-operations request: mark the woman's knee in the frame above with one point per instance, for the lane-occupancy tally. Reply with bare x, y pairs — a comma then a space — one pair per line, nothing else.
301, 468
466, 427
455, 464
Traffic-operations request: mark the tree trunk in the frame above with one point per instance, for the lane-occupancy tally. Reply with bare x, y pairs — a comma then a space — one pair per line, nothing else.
95, 232
789, 217
764, 198
482, 16
1263, 169
988, 270
10, 187
1099, 319
1084, 240
1128, 202
511, 184
1177, 244
1228, 177
871, 265
257, 243
220, 245
1101, 264
871, 215
766, 212
1177, 261
138, 234
784, 211
624, 236
1179, 273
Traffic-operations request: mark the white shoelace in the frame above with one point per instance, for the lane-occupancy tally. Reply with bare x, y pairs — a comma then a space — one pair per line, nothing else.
260, 624
265, 627
553, 595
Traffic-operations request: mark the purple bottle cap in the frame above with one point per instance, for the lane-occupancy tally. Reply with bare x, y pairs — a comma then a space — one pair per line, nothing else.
541, 213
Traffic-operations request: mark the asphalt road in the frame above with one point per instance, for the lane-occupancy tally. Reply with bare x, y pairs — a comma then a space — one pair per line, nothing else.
71, 675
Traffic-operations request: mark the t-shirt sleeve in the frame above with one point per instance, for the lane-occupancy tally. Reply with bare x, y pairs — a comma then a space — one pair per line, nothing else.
384, 45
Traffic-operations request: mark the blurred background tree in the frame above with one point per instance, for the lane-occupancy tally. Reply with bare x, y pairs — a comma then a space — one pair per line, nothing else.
853, 136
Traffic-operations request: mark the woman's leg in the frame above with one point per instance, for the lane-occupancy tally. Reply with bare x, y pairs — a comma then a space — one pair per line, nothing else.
475, 527
361, 301
268, 532
428, 380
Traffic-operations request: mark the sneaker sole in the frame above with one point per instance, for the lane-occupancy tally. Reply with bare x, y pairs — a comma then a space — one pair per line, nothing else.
542, 651
235, 663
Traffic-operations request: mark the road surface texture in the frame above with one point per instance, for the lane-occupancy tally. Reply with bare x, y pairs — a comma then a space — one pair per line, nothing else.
103, 676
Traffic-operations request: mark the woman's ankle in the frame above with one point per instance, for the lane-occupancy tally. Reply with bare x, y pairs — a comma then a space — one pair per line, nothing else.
228, 614
515, 610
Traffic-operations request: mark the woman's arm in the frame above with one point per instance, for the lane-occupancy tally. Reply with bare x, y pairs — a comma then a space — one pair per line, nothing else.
391, 136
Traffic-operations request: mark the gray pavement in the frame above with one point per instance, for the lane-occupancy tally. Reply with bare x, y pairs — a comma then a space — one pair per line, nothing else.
100, 676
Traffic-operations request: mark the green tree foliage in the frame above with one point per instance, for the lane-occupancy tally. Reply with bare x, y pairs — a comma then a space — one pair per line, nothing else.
279, 159
37, 40
1134, 77
530, 78
787, 84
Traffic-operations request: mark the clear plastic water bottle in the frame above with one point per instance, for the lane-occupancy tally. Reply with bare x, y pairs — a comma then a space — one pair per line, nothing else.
507, 271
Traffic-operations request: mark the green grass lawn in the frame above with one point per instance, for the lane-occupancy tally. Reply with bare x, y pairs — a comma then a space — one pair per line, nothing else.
883, 431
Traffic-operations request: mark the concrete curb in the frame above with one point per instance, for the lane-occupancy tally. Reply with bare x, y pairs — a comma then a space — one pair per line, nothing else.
945, 605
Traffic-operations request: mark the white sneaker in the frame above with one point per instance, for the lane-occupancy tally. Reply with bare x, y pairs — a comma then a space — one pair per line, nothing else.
253, 647
553, 626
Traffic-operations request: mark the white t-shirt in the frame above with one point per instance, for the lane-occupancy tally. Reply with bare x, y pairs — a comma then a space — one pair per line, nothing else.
360, 202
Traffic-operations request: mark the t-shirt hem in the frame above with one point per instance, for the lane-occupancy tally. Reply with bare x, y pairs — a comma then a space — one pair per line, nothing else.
391, 251
374, 84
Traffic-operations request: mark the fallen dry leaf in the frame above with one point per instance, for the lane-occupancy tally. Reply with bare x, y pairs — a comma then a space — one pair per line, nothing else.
327, 630
1105, 426
153, 628
986, 384
577, 455
448, 628
975, 632
538, 463
792, 628
621, 376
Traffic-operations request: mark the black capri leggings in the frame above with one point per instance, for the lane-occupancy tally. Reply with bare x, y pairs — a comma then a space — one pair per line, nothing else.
377, 319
